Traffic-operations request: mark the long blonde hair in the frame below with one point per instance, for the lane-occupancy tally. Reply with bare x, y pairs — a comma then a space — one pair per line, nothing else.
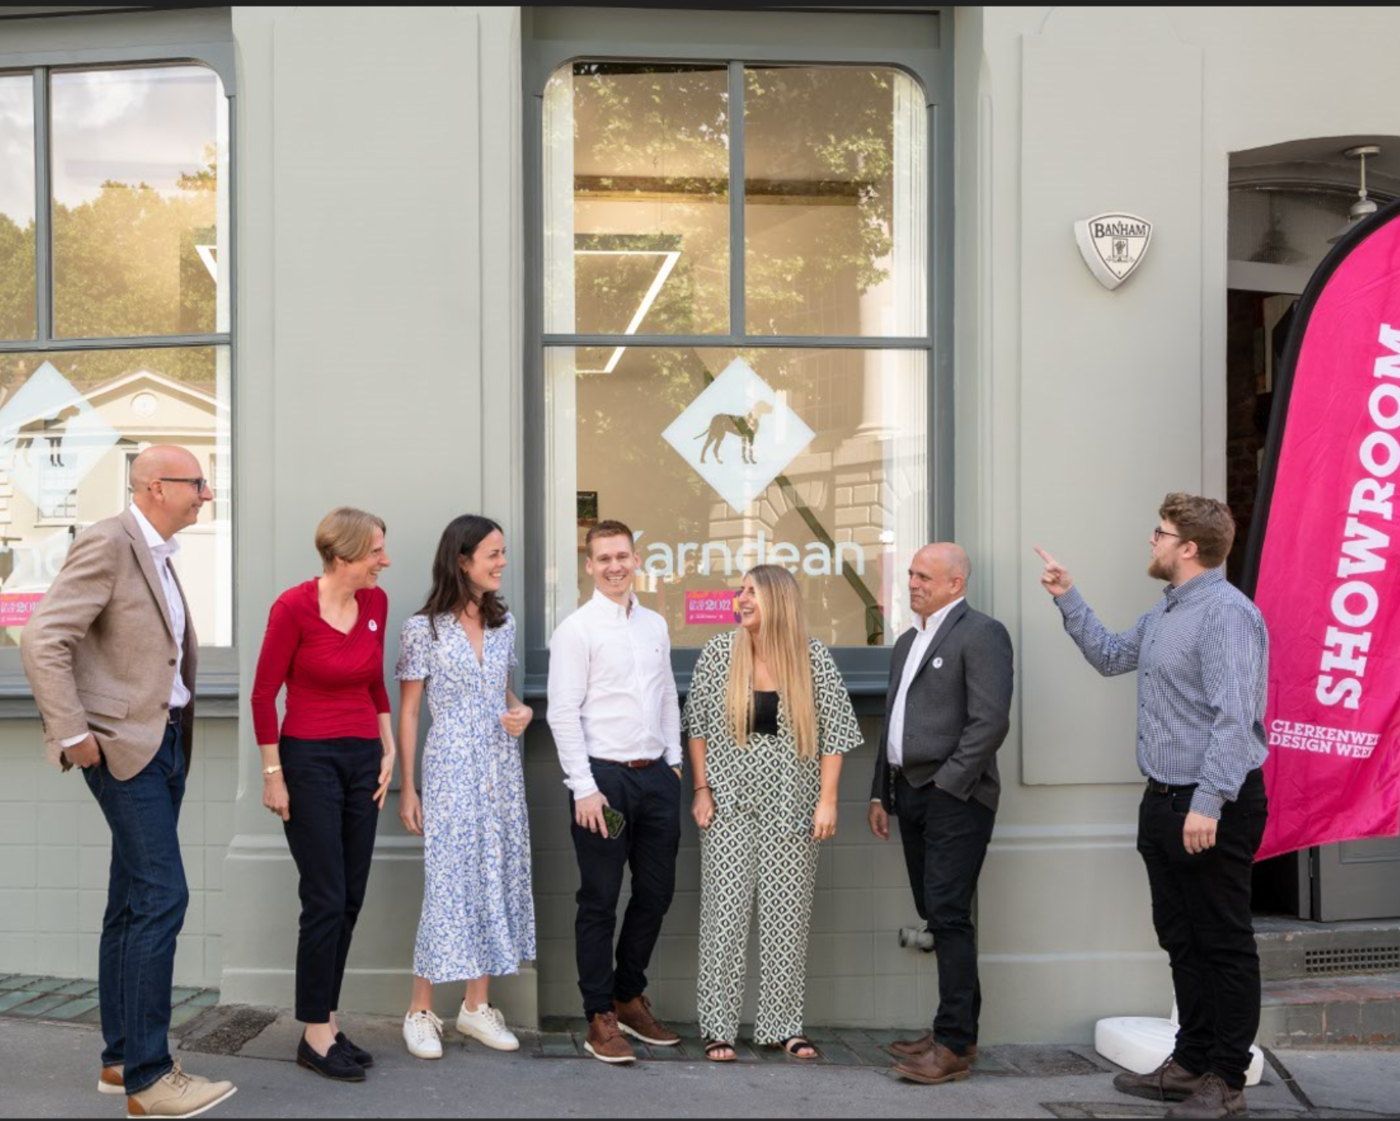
783, 632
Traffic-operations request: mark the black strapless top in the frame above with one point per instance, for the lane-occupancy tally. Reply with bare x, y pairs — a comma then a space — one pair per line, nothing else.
765, 713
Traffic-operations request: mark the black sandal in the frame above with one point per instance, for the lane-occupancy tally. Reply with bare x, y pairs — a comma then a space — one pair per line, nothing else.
794, 1044
712, 1048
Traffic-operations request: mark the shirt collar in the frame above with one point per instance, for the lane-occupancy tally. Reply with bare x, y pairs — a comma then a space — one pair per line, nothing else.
154, 541
616, 611
1195, 586
935, 620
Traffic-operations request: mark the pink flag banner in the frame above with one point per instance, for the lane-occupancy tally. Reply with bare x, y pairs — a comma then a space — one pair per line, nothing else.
1324, 556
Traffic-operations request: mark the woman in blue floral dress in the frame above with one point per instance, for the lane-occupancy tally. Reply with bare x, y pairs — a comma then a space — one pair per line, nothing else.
478, 916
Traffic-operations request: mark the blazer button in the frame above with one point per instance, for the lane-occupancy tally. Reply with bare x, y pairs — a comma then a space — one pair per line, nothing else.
172, 661
165, 704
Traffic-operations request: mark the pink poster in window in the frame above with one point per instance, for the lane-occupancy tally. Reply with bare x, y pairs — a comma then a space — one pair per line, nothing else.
709, 609
16, 607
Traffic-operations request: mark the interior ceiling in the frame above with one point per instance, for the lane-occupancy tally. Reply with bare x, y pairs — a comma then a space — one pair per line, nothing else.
1319, 163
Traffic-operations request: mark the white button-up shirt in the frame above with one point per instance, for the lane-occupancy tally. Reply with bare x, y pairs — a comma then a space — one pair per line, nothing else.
163, 551
925, 630
612, 695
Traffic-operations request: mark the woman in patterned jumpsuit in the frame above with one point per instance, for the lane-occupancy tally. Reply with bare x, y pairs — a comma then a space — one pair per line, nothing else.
769, 719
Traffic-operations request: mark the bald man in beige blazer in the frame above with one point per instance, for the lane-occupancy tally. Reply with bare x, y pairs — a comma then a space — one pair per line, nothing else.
110, 654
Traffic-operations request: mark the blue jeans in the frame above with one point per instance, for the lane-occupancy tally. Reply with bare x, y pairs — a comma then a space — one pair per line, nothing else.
146, 901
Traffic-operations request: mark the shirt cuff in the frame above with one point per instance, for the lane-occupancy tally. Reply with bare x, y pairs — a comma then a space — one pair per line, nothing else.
1070, 600
73, 741
1207, 803
582, 788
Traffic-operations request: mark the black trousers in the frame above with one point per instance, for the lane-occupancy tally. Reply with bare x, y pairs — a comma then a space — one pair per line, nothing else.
331, 785
1201, 909
649, 798
945, 843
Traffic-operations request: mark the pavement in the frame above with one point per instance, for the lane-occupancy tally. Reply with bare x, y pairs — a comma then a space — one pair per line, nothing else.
50, 1069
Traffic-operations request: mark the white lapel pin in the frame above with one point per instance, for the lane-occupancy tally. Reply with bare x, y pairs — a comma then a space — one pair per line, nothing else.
938, 663
373, 625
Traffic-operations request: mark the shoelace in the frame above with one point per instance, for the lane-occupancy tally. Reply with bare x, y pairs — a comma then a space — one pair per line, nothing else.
496, 1017
425, 1019
177, 1077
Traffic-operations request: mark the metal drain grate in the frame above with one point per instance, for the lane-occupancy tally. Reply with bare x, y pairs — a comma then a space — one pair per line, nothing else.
1361, 959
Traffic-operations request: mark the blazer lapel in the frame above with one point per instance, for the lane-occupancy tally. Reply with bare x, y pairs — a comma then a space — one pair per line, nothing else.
948, 624
147, 564
902, 646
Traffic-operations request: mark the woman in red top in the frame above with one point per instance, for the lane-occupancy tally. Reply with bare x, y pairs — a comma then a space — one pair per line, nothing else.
328, 772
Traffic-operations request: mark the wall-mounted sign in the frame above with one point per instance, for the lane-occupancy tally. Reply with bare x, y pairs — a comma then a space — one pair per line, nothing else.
1113, 245
710, 609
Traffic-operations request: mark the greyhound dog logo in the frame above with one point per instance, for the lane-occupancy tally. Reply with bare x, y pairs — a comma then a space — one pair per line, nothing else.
769, 432
745, 427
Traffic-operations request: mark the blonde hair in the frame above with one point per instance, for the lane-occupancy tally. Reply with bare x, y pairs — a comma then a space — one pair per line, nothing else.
783, 632
346, 534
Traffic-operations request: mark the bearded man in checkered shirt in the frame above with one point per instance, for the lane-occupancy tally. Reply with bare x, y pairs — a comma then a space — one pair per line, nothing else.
1202, 658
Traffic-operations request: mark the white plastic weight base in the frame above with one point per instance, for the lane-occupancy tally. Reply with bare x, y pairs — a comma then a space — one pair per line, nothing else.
1142, 1043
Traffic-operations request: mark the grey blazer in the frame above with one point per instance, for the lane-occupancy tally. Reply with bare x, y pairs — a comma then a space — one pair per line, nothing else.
957, 713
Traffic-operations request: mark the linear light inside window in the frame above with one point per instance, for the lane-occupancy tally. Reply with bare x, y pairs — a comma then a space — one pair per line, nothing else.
669, 259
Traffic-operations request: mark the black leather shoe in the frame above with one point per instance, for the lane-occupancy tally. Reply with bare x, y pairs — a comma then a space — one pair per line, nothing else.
335, 1064
359, 1054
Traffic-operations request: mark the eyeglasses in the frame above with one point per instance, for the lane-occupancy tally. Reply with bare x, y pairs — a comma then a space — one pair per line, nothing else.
198, 484
1158, 533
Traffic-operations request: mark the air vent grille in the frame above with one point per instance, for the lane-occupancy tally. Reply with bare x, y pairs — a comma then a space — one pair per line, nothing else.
1361, 959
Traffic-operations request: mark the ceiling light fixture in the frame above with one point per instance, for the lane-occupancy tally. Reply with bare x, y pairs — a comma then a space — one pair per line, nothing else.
1364, 206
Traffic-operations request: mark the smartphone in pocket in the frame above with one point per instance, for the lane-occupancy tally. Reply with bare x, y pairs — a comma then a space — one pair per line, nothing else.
614, 821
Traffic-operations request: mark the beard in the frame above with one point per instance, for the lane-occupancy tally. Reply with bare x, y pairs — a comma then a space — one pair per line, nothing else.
1160, 570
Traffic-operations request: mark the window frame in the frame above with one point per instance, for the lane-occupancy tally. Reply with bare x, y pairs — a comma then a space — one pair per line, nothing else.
116, 41
771, 37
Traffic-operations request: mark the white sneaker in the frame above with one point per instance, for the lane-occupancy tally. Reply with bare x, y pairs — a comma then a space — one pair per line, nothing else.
487, 1025
422, 1031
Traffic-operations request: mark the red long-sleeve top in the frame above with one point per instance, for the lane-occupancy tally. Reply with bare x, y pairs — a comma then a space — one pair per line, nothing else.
335, 682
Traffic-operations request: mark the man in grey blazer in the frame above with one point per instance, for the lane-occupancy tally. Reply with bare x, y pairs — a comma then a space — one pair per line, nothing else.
946, 714
110, 654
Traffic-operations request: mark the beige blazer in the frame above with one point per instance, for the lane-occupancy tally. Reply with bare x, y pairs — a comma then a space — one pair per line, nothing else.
99, 650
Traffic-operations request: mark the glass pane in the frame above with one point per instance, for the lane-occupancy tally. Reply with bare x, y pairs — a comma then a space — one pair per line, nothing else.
836, 201
719, 458
636, 206
139, 202
17, 312
70, 425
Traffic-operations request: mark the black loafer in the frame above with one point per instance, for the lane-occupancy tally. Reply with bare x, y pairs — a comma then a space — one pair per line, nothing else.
335, 1064
359, 1054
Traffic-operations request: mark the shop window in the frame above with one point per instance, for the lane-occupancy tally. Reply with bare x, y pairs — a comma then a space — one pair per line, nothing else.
736, 324
114, 314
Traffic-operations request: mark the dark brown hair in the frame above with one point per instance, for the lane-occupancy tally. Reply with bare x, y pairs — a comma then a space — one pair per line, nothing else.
452, 591
607, 529
1206, 521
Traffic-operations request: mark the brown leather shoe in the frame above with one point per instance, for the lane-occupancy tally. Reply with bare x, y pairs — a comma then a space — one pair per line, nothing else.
1170, 1082
606, 1041
111, 1081
934, 1067
1213, 1099
909, 1048
634, 1017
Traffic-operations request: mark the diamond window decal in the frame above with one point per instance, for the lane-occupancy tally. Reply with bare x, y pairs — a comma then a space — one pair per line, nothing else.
739, 435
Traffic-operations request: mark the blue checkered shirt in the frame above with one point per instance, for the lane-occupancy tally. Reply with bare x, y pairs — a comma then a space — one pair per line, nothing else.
1202, 657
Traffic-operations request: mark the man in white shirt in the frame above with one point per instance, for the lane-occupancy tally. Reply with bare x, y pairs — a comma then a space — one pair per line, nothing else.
616, 722
947, 712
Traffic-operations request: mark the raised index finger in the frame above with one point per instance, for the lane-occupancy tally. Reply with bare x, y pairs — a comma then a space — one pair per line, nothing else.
1046, 557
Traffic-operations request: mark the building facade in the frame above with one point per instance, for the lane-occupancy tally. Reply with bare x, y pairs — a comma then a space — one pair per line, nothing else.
761, 283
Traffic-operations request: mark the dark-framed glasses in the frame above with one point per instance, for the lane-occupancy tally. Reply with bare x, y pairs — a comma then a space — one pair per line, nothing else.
198, 484
1158, 533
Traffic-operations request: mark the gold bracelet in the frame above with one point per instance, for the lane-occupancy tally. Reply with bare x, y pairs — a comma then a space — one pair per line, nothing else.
268, 772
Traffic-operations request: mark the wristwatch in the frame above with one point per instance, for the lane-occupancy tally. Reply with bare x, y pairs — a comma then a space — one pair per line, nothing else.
268, 772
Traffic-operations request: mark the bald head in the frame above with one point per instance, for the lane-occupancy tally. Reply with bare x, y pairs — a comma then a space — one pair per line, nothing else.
938, 575
168, 487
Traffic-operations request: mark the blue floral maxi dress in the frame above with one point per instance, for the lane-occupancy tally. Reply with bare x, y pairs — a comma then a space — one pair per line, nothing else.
478, 911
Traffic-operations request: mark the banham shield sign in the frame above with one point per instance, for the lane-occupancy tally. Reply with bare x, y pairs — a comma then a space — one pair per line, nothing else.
1113, 245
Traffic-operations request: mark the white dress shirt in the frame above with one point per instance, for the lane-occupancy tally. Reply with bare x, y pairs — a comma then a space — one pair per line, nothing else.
612, 695
925, 630
161, 552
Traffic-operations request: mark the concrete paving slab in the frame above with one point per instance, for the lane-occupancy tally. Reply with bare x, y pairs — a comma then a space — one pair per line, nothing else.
1346, 1078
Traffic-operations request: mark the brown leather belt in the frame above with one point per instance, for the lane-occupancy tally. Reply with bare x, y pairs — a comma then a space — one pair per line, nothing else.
633, 763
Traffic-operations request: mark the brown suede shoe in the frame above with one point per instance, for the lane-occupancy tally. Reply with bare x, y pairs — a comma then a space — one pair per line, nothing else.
1213, 1099
909, 1048
934, 1067
606, 1042
1170, 1082
634, 1017
111, 1081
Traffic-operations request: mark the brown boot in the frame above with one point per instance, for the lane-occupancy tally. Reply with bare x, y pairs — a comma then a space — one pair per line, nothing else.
635, 1019
1170, 1082
934, 1067
605, 1040
1213, 1099
909, 1048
